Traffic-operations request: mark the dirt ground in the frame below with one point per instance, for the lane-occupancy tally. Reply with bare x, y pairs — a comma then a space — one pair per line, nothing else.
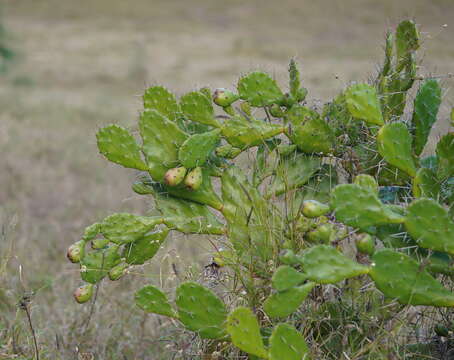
82, 64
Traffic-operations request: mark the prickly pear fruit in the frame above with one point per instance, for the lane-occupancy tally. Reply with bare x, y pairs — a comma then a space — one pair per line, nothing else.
118, 271
324, 234
276, 111
224, 97
83, 293
194, 179
365, 244
314, 208
76, 251
175, 176
301, 94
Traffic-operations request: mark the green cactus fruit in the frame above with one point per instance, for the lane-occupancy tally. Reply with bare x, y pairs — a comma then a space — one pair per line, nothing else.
400, 277
425, 110
365, 244
99, 243
246, 108
284, 303
83, 293
200, 310
76, 251
426, 184
227, 151
314, 208
224, 97
288, 257
187, 216
163, 101
243, 134
143, 185
362, 103
430, 225
152, 300
293, 172
367, 182
394, 144
301, 94
197, 148
194, 179
407, 39
308, 131
359, 207
120, 147
198, 108
286, 343
204, 195
259, 89
445, 155
324, 234
175, 176
286, 277
323, 264
244, 330
276, 111
145, 248
97, 263
161, 140
123, 228
118, 271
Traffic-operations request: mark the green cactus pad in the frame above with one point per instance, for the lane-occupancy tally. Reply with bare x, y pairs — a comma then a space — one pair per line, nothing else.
259, 89
243, 134
360, 207
445, 155
293, 172
286, 277
407, 38
97, 263
430, 225
161, 140
145, 248
308, 131
394, 144
91, 231
284, 303
162, 100
124, 228
153, 300
367, 182
400, 277
426, 184
286, 343
362, 103
200, 310
120, 147
325, 265
425, 110
198, 108
187, 216
244, 330
197, 148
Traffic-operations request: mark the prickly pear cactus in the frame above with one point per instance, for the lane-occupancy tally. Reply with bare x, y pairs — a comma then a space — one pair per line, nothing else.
296, 200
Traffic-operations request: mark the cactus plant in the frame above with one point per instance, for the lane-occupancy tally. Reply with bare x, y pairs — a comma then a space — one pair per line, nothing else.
321, 179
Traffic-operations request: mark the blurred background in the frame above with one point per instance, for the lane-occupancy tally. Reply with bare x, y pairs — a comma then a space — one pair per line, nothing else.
74, 66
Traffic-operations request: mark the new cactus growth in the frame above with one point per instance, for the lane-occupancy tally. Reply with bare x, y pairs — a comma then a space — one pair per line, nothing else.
293, 186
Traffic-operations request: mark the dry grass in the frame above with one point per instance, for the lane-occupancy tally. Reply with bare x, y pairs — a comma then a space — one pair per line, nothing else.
82, 64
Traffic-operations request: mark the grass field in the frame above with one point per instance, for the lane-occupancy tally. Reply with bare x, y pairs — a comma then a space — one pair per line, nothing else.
82, 64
